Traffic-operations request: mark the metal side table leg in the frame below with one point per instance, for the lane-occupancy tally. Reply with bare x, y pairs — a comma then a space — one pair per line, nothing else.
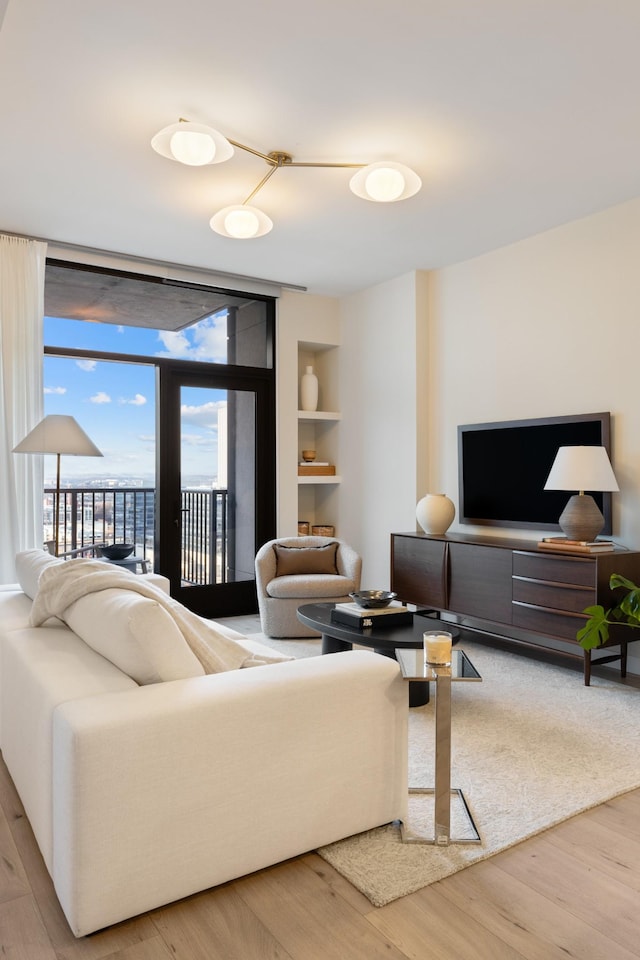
442, 791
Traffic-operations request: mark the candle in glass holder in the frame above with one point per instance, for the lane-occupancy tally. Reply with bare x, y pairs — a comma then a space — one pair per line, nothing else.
437, 647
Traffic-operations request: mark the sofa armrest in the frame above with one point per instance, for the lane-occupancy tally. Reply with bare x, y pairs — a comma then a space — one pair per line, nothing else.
177, 787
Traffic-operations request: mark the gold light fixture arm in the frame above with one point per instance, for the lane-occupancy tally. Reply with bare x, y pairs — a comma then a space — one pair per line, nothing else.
267, 175
310, 163
256, 153
277, 159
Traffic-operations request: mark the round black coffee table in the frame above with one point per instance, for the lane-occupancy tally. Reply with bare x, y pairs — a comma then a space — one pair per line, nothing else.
337, 637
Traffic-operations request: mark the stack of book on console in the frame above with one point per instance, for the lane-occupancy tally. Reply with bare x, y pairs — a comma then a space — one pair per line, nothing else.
316, 469
565, 545
353, 615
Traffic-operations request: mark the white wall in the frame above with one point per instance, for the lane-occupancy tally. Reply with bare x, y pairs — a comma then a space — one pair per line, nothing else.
383, 400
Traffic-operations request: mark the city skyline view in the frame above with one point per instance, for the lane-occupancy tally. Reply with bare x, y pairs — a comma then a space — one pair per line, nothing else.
115, 403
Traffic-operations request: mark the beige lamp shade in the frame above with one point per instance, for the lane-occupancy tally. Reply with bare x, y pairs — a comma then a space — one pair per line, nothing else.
58, 434
581, 468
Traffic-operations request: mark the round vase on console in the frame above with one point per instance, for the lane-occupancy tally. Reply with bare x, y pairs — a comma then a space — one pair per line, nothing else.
309, 390
435, 513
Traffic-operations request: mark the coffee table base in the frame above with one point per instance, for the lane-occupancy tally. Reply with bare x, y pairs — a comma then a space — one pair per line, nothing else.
411, 836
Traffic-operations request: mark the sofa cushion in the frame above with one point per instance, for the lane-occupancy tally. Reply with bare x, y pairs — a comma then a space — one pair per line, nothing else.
135, 633
29, 566
295, 561
313, 587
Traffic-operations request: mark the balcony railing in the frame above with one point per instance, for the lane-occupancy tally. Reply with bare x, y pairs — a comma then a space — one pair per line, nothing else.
95, 515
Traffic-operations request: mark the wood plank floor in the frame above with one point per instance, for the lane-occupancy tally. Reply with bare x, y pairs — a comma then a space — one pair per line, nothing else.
571, 892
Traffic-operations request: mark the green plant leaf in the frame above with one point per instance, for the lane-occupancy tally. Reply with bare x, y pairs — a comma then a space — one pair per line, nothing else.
596, 630
626, 613
630, 605
617, 580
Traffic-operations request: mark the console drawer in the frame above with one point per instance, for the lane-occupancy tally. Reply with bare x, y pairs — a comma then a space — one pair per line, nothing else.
555, 595
558, 569
555, 623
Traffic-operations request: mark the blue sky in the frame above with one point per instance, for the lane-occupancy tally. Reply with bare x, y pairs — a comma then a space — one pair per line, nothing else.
114, 403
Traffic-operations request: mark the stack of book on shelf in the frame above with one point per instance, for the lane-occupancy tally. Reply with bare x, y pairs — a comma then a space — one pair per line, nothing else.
565, 545
353, 615
316, 469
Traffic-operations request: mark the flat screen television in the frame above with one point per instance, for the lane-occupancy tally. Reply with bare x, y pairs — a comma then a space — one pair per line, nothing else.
503, 467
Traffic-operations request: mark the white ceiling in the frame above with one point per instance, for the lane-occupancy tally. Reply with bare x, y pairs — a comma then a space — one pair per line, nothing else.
519, 115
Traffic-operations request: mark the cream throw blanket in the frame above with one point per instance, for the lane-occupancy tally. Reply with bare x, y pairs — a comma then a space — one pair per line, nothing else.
61, 584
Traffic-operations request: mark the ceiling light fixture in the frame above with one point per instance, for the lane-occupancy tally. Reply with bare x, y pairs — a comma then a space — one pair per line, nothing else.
196, 144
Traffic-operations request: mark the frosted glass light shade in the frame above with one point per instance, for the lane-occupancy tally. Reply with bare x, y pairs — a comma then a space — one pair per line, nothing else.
240, 222
385, 182
58, 434
194, 144
581, 468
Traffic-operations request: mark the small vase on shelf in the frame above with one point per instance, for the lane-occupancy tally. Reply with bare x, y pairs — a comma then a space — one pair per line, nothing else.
309, 390
435, 513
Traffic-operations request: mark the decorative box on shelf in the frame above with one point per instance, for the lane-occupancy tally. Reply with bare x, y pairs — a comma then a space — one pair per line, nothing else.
316, 469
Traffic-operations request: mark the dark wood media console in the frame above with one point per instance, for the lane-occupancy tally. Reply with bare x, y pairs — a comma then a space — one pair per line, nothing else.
512, 588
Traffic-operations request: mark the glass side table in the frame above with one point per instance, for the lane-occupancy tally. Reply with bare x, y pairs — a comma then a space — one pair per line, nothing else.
414, 668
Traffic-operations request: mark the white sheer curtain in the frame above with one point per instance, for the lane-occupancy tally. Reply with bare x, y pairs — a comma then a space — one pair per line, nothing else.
22, 269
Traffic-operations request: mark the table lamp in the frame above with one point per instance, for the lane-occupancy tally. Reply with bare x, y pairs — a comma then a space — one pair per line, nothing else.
581, 468
58, 434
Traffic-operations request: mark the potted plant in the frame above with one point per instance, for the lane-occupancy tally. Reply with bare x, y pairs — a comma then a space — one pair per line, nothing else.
626, 613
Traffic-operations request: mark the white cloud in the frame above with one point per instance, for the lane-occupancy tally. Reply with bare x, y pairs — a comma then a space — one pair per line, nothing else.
137, 401
175, 343
205, 415
100, 397
58, 390
197, 440
88, 365
205, 341
211, 339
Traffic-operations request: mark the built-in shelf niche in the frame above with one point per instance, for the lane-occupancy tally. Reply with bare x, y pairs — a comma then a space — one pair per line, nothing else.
318, 430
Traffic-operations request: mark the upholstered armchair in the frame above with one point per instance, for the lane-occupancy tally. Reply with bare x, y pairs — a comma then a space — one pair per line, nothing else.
292, 571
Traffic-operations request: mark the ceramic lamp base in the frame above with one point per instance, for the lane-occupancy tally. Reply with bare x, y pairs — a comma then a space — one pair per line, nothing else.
581, 519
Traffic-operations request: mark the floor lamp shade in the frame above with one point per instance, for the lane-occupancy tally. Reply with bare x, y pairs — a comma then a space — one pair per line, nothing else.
58, 434
581, 468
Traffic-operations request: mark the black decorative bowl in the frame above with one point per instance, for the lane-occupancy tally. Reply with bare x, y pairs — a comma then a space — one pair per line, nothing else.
373, 599
116, 551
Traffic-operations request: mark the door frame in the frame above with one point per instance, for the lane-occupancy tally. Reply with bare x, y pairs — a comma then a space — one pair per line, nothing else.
228, 599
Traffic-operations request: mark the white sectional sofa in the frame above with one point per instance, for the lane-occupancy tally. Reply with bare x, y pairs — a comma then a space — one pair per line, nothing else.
140, 794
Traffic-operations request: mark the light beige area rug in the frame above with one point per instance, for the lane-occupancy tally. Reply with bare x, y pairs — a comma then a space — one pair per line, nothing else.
531, 746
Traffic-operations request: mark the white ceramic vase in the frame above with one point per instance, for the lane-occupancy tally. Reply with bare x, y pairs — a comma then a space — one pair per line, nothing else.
309, 390
435, 513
